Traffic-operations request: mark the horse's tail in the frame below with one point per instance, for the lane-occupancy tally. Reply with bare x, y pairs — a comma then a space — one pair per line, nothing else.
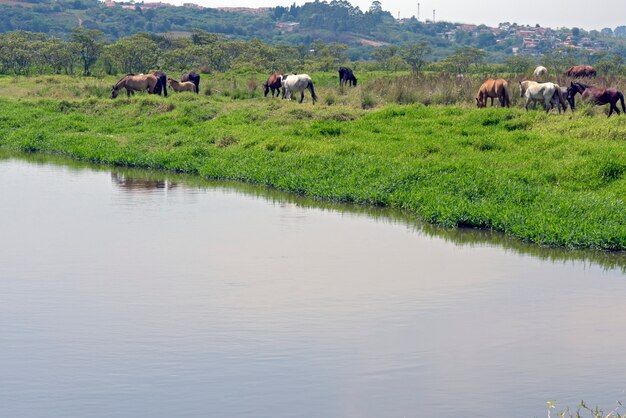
621, 99
312, 90
163, 81
506, 99
562, 100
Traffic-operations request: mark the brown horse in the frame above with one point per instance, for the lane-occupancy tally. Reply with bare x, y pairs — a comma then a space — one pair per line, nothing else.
134, 83
581, 71
192, 76
181, 86
491, 88
598, 96
273, 83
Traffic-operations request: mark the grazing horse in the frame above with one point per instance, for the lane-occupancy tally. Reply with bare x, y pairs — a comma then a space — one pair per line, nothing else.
134, 83
181, 86
598, 96
297, 83
491, 89
162, 84
581, 71
549, 93
192, 76
540, 71
346, 77
274, 83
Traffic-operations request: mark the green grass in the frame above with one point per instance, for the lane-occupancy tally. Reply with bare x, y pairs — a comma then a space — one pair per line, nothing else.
550, 179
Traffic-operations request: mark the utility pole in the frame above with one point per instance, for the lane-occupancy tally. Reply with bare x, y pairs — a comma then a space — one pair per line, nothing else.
418, 12
433, 15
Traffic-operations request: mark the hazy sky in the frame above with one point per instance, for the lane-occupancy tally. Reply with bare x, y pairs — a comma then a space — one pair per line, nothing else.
587, 14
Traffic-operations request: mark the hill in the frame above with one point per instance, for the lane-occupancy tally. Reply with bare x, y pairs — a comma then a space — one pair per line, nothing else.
337, 21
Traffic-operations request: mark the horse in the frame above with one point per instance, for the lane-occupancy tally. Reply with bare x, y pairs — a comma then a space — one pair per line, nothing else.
192, 76
491, 89
181, 86
134, 83
346, 77
549, 93
540, 71
297, 83
598, 96
274, 83
581, 71
162, 84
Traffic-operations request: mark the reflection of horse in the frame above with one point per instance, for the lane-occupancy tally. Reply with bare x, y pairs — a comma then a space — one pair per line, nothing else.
134, 83
598, 96
125, 182
181, 86
162, 84
297, 83
346, 77
549, 93
491, 88
540, 71
274, 83
581, 71
192, 76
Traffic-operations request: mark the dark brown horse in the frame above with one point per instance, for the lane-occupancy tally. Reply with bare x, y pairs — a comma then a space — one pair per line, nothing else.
192, 76
598, 96
346, 77
578, 71
273, 83
162, 83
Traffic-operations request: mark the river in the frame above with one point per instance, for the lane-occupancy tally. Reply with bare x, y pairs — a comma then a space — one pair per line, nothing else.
137, 294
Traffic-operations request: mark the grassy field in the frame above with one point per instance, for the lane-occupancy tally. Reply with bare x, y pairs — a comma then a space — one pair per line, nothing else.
557, 180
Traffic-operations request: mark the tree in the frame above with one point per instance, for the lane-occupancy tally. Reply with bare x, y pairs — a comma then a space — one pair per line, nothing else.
415, 55
519, 64
464, 57
90, 46
134, 54
384, 55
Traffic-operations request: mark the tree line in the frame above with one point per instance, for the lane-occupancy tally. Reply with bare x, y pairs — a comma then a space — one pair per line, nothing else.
87, 52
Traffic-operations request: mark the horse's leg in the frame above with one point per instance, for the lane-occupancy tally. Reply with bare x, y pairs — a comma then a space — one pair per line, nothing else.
301, 96
610, 110
614, 104
492, 101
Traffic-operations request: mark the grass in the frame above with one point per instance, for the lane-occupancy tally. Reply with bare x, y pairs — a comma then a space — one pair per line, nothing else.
550, 179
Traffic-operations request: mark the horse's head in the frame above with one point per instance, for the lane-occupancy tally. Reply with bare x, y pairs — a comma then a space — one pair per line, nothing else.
480, 103
522, 89
114, 92
266, 89
354, 79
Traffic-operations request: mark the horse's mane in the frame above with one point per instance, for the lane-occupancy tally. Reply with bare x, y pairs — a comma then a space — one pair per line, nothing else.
120, 80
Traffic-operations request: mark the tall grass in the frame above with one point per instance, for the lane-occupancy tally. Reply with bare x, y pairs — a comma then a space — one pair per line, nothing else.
552, 179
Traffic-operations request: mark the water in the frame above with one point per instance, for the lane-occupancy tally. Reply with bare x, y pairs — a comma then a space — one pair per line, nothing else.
131, 294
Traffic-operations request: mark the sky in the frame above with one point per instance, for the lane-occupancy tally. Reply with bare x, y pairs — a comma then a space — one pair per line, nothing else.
586, 14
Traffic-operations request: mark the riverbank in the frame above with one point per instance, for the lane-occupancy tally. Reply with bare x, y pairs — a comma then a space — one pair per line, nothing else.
550, 179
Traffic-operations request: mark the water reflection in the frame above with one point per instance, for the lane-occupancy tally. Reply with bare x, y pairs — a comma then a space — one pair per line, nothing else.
133, 180
138, 184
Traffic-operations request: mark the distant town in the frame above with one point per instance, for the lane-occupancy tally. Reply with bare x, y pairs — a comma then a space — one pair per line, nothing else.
522, 39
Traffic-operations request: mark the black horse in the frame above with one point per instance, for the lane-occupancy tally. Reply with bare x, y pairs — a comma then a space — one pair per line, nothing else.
346, 77
192, 76
162, 84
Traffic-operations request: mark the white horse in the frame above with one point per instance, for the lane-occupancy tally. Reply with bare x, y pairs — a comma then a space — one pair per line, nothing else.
297, 83
540, 71
549, 93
